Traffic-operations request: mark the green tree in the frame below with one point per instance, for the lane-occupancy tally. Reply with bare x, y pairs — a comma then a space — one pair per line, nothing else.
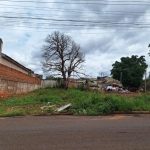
50, 77
30, 71
132, 70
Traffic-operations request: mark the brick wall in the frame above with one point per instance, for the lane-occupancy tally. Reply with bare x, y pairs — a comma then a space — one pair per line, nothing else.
14, 82
74, 84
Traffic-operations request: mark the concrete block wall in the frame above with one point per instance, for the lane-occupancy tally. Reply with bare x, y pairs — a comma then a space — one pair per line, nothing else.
54, 83
48, 83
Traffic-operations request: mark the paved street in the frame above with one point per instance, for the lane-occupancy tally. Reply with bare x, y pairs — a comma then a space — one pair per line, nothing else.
118, 132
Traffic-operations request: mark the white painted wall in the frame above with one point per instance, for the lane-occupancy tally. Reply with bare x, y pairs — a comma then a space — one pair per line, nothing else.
8, 63
11, 65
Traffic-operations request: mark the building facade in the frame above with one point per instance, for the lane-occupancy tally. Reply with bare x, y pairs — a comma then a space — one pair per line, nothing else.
14, 77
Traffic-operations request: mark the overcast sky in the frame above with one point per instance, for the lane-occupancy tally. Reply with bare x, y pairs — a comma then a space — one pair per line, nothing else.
105, 29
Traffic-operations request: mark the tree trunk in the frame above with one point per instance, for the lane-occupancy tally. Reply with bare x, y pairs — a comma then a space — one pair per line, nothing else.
66, 84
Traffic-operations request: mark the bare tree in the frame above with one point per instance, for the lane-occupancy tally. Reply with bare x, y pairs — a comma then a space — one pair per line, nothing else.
62, 56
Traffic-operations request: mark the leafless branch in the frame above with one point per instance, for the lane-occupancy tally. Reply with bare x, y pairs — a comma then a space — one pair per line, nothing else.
62, 55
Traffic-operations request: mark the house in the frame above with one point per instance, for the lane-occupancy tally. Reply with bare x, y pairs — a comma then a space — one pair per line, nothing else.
13, 72
8, 61
14, 77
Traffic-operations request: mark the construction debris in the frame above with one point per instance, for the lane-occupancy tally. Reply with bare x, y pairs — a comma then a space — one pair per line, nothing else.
43, 107
111, 88
117, 88
95, 89
63, 107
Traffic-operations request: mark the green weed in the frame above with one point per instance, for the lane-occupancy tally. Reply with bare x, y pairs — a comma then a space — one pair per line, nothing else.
83, 102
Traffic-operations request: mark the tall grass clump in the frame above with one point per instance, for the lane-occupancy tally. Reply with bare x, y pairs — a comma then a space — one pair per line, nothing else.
92, 104
142, 103
101, 104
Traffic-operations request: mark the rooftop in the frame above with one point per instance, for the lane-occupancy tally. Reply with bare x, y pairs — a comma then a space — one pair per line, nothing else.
14, 62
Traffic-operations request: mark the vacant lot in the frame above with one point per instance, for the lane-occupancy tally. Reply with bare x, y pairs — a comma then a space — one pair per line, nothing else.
46, 101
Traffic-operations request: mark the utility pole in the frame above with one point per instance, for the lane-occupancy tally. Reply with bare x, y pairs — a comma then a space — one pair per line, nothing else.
120, 77
149, 52
145, 81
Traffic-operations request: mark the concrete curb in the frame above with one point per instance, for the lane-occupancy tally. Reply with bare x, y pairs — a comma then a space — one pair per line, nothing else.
131, 112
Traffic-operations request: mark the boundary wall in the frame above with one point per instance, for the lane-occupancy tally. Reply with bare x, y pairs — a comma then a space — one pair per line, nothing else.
16, 82
54, 83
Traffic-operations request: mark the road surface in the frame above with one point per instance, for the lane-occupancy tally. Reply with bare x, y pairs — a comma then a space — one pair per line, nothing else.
117, 132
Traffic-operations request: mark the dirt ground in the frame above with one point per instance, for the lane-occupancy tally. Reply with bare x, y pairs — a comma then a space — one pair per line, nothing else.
2, 95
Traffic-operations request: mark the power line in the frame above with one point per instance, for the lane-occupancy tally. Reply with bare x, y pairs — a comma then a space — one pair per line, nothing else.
104, 18
43, 29
105, 14
87, 2
74, 20
77, 23
68, 10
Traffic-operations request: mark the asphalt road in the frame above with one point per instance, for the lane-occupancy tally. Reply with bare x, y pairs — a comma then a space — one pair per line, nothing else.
118, 132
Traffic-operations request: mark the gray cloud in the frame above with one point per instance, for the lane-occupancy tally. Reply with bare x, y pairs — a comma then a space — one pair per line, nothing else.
108, 33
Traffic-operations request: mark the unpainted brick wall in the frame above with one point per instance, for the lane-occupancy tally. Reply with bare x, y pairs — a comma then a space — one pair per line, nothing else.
74, 84
14, 82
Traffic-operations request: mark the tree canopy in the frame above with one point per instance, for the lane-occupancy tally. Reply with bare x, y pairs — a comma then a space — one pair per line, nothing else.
50, 77
62, 56
131, 69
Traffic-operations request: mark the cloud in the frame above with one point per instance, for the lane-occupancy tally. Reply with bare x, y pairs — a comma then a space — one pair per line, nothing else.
105, 32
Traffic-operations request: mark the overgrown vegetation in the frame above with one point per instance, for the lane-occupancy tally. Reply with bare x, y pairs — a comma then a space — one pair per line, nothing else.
83, 103
130, 70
